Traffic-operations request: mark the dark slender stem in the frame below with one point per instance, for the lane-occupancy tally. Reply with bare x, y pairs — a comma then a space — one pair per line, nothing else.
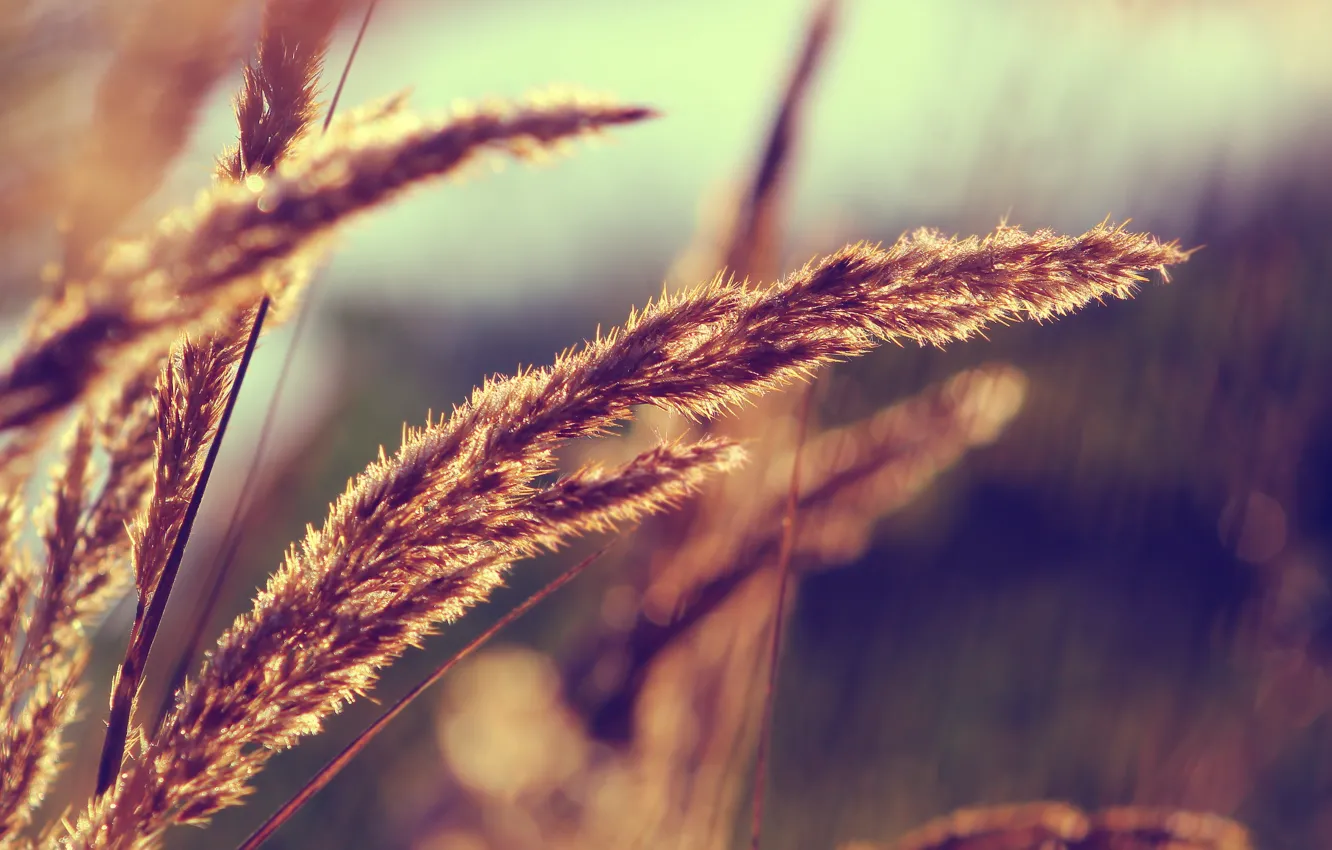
129, 677
778, 620
351, 57
221, 566
342, 759
199, 618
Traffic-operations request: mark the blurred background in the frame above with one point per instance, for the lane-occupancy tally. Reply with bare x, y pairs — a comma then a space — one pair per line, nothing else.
1119, 595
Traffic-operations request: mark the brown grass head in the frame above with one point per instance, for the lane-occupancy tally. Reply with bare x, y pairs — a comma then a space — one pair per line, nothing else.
201, 266
424, 534
276, 104
313, 642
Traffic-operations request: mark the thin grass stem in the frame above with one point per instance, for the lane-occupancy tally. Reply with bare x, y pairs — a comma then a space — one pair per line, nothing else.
778, 620
129, 677
342, 759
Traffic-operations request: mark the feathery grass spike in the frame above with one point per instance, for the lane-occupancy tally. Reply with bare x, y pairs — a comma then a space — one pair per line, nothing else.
187, 450
368, 612
199, 267
274, 110
344, 758
414, 539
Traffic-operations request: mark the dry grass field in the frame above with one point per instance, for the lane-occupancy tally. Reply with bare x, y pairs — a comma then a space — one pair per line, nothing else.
1052, 571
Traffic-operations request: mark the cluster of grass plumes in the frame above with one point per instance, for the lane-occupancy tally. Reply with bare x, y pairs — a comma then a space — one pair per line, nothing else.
138, 349
424, 534
200, 266
316, 637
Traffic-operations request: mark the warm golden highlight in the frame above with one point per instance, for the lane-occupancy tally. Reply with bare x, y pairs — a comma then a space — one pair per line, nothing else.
134, 354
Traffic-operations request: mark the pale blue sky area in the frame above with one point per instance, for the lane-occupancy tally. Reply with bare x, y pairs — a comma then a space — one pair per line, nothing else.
949, 113
946, 113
